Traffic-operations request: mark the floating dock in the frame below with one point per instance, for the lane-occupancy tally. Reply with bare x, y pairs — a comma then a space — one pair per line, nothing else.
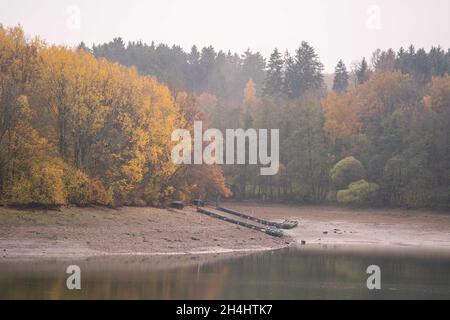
268, 227
288, 224
273, 231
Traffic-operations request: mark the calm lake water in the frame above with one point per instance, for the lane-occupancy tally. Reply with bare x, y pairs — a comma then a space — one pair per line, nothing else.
284, 274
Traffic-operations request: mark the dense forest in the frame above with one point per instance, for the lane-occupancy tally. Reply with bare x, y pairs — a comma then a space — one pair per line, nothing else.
93, 125
379, 136
80, 130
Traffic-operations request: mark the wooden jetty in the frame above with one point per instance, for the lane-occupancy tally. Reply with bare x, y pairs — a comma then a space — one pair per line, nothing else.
269, 230
288, 224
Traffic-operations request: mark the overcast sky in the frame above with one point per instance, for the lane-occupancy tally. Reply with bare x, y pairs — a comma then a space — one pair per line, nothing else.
347, 29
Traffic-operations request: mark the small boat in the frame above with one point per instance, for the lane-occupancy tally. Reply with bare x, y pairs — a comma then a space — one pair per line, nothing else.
176, 205
198, 202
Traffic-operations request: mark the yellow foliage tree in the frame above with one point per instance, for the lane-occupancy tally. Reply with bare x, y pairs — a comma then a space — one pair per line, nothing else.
80, 130
249, 93
355, 112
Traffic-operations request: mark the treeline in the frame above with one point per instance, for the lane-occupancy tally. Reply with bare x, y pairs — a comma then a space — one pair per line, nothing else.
200, 70
75, 127
81, 130
216, 72
380, 137
382, 140
400, 131
225, 74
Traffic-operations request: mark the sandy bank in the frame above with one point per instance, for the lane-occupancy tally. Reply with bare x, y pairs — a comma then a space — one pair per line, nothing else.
346, 228
85, 232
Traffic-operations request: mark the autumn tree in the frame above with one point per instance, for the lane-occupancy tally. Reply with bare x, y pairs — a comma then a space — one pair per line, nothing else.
81, 130
93, 125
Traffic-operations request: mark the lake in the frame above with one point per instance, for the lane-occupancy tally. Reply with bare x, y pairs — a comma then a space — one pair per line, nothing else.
281, 274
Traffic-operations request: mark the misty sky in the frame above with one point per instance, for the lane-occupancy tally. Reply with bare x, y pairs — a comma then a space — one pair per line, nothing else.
347, 29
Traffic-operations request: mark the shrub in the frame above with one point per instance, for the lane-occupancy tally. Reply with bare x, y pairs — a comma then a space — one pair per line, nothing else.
37, 184
83, 190
360, 192
18, 191
78, 185
47, 185
347, 171
98, 194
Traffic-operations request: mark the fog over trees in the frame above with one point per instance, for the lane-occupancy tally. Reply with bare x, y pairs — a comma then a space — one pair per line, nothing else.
391, 113
93, 125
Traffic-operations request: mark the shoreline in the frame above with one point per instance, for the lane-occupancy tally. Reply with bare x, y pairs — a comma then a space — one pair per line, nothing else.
213, 255
353, 229
129, 231
96, 232
90, 255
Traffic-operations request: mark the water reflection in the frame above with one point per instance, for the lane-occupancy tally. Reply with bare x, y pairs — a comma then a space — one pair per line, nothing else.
286, 274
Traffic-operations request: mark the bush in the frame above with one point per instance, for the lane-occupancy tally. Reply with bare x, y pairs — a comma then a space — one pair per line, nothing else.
347, 171
48, 186
83, 191
98, 193
18, 191
39, 185
360, 192
78, 185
